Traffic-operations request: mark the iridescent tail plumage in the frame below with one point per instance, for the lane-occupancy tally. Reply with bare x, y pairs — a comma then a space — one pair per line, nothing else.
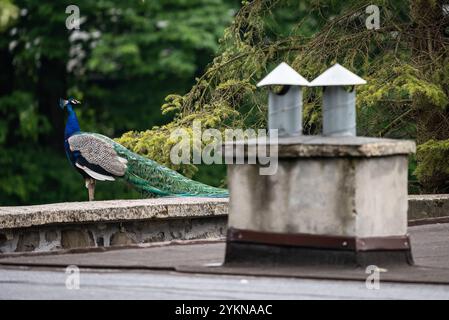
155, 180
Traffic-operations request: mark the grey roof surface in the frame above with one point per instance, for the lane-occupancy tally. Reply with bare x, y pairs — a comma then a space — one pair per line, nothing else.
430, 248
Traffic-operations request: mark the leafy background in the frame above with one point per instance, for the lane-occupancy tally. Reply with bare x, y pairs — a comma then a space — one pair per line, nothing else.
143, 68
126, 57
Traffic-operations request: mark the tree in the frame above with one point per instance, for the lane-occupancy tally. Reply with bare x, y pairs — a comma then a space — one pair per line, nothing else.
405, 63
126, 56
8, 13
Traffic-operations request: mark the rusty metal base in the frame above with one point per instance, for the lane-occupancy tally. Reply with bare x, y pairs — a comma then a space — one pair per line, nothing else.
253, 247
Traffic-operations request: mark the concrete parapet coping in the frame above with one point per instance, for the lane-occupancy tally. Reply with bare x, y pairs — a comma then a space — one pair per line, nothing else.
420, 207
111, 211
428, 206
321, 146
429, 197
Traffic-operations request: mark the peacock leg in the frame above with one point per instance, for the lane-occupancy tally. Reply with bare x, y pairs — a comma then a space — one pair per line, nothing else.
90, 185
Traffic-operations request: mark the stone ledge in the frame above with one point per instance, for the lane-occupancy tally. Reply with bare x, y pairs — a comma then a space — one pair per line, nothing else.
420, 207
428, 206
320, 146
111, 211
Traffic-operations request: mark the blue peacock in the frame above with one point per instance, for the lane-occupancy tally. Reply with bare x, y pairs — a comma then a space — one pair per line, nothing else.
99, 158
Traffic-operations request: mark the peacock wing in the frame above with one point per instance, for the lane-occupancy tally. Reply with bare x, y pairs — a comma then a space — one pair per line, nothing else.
153, 178
97, 155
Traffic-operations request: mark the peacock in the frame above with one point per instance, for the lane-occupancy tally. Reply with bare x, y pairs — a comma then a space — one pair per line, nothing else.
99, 158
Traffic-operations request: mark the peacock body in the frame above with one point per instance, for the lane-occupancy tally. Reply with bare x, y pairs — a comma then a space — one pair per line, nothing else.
99, 158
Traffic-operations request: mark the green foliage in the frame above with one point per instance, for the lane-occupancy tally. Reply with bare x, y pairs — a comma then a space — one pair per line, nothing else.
20, 119
401, 82
433, 157
157, 142
8, 13
126, 57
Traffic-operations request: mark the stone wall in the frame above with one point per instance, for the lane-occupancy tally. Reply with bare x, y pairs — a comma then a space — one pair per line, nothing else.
70, 236
428, 206
110, 223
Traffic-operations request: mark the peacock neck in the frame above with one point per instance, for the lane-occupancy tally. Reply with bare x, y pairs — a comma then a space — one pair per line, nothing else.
72, 126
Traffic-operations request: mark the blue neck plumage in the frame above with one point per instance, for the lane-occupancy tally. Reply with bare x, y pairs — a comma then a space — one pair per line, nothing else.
72, 126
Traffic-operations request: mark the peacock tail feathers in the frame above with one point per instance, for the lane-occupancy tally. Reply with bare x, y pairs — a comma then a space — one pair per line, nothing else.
155, 180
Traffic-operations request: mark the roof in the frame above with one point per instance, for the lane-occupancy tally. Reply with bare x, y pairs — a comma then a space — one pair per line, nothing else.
337, 76
283, 74
429, 249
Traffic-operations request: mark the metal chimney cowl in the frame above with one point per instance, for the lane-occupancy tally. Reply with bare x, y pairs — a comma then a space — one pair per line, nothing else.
285, 107
339, 105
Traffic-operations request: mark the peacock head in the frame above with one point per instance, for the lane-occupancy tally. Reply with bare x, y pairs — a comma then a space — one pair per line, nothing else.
69, 102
